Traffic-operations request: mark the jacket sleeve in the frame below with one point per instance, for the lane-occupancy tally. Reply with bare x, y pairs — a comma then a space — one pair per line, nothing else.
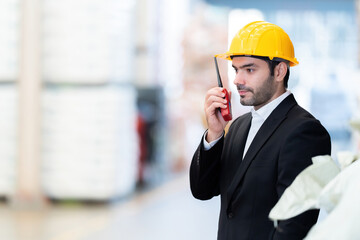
205, 171
308, 140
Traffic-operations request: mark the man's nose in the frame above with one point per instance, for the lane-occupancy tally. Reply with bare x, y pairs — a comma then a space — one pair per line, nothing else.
239, 78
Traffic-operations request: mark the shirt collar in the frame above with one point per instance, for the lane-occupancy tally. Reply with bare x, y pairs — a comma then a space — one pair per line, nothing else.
265, 111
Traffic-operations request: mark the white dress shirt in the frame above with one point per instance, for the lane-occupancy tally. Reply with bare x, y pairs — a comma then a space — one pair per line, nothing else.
258, 118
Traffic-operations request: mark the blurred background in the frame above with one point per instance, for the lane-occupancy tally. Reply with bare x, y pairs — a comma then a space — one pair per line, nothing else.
101, 106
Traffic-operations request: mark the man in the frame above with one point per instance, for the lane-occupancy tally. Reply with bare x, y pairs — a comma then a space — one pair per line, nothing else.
264, 150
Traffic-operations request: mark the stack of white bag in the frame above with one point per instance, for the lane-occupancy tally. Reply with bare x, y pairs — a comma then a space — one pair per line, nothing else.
325, 185
90, 145
8, 139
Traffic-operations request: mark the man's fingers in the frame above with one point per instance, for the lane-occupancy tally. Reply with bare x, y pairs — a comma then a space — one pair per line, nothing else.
217, 91
212, 108
215, 99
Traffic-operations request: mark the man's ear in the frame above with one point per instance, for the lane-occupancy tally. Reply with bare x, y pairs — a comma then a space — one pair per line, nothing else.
280, 71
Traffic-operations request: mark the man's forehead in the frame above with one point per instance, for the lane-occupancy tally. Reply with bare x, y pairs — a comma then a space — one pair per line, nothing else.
245, 60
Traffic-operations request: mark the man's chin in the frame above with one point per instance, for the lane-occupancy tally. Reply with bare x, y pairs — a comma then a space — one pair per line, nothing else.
246, 103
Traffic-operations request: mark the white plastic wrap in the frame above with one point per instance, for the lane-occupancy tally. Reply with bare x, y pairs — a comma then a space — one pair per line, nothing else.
90, 144
323, 185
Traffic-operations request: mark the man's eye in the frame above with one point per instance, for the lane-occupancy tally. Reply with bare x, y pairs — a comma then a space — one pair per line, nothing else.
250, 70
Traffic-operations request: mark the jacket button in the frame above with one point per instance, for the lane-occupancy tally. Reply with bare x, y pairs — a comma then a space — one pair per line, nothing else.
230, 215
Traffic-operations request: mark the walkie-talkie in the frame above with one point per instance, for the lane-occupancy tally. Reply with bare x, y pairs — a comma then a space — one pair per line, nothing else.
225, 112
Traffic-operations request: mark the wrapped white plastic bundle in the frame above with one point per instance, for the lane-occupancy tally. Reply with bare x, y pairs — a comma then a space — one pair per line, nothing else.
8, 140
341, 199
9, 39
88, 41
323, 185
90, 145
305, 190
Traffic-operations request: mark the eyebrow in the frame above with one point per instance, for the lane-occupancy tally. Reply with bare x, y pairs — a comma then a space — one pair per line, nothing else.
245, 66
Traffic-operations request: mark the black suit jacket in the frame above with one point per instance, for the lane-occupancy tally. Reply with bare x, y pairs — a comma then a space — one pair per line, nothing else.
249, 188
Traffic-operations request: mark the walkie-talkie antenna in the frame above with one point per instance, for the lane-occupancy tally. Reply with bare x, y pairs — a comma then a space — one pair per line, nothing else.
218, 73
225, 112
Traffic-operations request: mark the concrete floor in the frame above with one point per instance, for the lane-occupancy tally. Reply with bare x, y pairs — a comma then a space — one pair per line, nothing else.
166, 212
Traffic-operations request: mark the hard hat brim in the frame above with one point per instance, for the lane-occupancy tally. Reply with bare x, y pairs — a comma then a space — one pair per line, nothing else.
228, 56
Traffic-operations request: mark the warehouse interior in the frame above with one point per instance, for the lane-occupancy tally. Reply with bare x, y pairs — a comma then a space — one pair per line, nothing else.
101, 107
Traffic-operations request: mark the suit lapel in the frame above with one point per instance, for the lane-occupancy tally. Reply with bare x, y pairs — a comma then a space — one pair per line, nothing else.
264, 133
239, 138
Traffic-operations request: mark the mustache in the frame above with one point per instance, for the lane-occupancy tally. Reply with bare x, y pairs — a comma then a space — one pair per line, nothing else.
242, 87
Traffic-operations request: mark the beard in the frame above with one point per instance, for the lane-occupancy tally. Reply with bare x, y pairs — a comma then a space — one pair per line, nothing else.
259, 96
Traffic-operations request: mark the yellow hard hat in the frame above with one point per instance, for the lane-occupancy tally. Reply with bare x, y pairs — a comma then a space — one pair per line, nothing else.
262, 39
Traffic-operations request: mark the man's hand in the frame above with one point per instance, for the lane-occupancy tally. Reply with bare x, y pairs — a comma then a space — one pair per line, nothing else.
216, 124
